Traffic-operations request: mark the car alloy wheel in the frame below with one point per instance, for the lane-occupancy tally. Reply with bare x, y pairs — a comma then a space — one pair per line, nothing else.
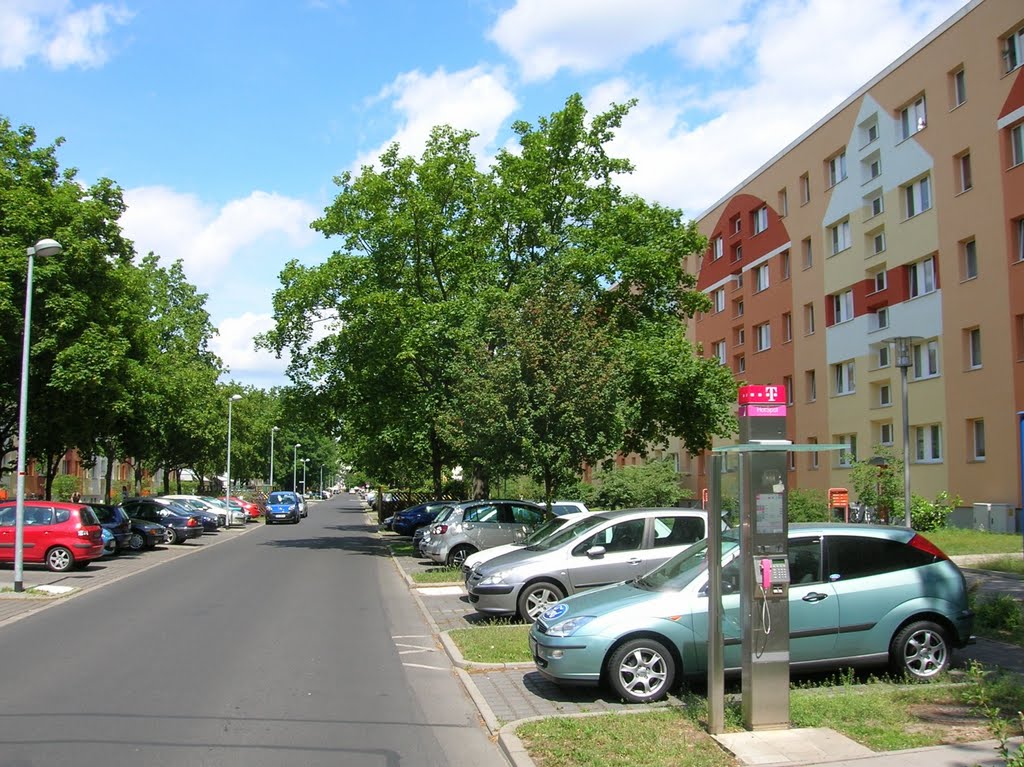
59, 559
137, 542
170, 536
641, 671
536, 598
458, 555
920, 651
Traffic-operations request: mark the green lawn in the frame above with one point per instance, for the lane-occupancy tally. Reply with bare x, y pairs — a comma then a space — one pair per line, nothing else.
956, 541
493, 643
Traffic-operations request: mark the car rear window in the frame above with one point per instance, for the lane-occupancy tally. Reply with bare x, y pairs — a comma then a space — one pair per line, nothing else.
103, 515
87, 516
859, 557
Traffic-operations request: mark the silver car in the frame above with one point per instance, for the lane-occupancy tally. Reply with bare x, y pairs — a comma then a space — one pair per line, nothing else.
606, 547
472, 526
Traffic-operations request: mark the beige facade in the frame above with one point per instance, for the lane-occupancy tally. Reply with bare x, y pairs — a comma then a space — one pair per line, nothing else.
899, 214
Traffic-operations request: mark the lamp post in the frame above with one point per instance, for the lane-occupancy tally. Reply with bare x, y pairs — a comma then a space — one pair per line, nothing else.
41, 248
904, 346
272, 456
304, 462
295, 463
321, 481
227, 478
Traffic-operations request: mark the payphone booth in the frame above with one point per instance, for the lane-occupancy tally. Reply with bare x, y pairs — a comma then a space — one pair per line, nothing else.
762, 457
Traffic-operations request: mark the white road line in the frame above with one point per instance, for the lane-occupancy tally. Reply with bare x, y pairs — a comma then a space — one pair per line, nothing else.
431, 668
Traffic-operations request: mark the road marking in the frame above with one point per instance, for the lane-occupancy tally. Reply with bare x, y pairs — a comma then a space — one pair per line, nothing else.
411, 636
418, 665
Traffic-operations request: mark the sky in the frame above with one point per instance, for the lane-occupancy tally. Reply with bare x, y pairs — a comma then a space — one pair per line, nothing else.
226, 122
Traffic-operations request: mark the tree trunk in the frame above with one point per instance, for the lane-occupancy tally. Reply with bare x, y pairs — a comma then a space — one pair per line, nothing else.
108, 477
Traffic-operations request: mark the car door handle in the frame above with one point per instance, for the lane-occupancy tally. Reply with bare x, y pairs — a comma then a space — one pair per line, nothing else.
815, 596
635, 561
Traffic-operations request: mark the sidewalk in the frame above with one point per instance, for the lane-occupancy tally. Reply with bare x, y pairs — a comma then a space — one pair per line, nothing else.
507, 695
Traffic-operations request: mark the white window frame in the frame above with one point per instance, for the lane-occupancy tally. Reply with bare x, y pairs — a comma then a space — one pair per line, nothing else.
761, 280
837, 168
959, 87
913, 117
880, 280
842, 307
876, 205
969, 258
763, 340
844, 378
880, 318
974, 357
718, 297
925, 357
787, 327
886, 433
808, 319
1020, 239
811, 377
917, 197
978, 439
1017, 145
847, 457
784, 263
1013, 49
878, 243
716, 248
921, 277
760, 219
965, 177
720, 351
928, 443
871, 132
885, 395
741, 364
840, 236
882, 358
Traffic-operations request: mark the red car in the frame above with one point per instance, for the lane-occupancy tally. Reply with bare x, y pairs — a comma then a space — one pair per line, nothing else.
58, 535
250, 508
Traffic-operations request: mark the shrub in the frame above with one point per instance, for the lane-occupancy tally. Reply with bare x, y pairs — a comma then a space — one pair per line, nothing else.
808, 506
999, 613
653, 484
64, 486
932, 515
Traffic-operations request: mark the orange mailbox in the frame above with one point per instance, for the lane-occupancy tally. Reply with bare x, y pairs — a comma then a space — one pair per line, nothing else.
839, 501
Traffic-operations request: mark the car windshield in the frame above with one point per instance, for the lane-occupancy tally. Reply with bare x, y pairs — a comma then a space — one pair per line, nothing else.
280, 498
542, 532
444, 514
685, 566
570, 533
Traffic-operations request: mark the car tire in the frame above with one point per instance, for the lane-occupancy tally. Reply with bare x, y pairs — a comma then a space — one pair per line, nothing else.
458, 555
136, 542
641, 671
59, 559
920, 651
537, 597
170, 537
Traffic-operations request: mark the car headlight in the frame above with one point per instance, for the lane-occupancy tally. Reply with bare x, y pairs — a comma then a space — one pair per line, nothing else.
569, 627
495, 578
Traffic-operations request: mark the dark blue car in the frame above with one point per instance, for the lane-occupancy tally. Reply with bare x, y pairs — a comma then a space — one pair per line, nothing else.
283, 506
407, 521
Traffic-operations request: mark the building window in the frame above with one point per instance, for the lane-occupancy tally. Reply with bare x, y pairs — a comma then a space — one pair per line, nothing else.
764, 336
737, 281
871, 167
880, 318
968, 259
1017, 144
759, 219
814, 456
972, 342
805, 189
921, 277
840, 234
880, 280
812, 385
882, 356
719, 351
917, 197
808, 319
783, 202
1019, 245
876, 242
926, 360
787, 381
1013, 49
875, 204
958, 87
869, 131
784, 263
928, 443
737, 253
913, 118
741, 364
716, 249
842, 307
787, 327
719, 300
736, 224
963, 171
808, 255
739, 336
977, 432
886, 433
847, 456
836, 168
761, 278
884, 395
737, 308
843, 378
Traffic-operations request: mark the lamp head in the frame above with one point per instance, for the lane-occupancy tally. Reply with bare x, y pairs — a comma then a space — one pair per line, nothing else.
275, 428
46, 247
236, 397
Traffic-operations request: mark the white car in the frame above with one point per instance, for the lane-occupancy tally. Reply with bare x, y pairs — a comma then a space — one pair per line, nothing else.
548, 528
233, 516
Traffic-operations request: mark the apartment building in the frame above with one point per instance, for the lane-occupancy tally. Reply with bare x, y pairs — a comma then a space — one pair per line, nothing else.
900, 214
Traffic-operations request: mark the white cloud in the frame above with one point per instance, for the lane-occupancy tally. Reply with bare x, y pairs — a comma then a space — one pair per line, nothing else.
179, 226
593, 35
234, 345
691, 148
57, 31
474, 99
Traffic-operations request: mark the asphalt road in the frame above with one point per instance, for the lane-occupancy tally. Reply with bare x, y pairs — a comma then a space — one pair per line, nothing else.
291, 645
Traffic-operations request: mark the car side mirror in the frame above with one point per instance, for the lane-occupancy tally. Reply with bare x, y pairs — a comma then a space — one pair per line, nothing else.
596, 552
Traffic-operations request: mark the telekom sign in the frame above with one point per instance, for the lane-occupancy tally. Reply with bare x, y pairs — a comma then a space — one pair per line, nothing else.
760, 401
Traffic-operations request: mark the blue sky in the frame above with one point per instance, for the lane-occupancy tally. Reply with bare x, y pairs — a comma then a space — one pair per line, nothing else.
226, 121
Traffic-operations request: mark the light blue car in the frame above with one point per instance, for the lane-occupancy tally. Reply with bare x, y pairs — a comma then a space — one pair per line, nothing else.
859, 595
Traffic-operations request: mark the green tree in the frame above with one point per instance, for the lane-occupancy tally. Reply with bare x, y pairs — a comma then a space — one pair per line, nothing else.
648, 485
878, 482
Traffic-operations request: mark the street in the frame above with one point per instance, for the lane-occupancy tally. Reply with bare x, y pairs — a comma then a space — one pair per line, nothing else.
293, 644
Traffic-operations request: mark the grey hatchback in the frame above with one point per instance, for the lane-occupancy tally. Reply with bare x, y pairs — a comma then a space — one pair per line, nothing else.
475, 525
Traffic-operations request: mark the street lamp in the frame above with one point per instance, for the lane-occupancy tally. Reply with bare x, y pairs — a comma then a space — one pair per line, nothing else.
321, 480
42, 248
304, 462
227, 479
904, 347
295, 463
272, 456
